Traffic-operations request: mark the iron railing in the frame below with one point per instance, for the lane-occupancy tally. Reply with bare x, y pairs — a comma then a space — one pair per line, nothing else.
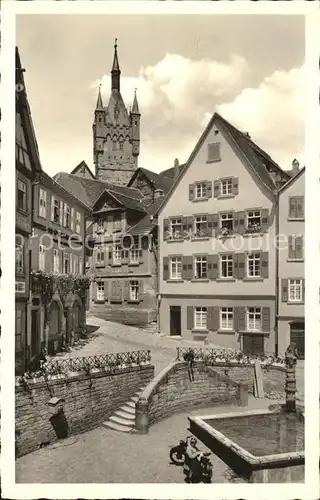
228, 356
107, 362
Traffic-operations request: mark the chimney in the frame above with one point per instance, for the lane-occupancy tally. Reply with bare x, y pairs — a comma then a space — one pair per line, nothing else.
247, 135
158, 193
295, 166
176, 168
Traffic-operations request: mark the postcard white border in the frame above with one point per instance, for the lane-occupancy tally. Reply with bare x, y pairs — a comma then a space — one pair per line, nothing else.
310, 489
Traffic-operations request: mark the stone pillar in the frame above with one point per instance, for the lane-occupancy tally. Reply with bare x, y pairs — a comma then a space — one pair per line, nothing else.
142, 416
290, 386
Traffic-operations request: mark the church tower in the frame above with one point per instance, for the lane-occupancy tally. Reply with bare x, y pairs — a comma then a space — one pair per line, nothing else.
116, 133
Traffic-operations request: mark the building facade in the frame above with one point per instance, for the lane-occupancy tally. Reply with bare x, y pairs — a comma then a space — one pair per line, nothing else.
291, 262
57, 249
217, 260
27, 167
116, 134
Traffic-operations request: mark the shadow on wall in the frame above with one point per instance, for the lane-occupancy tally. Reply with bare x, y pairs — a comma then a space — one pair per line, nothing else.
60, 424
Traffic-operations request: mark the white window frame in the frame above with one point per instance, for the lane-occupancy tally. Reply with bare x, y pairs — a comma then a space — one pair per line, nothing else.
100, 290
56, 210
56, 261
134, 256
66, 216
42, 258
19, 262
201, 226
226, 187
175, 268
225, 226
295, 290
200, 318
100, 252
202, 261
66, 259
117, 255
254, 265
200, 190
78, 222
225, 260
296, 216
42, 203
254, 319
254, 219
226, 319
134, 290
176, 227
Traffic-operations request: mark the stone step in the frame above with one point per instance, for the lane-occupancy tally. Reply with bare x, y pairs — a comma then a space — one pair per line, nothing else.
130, 409
134, 399
116, 427
132, 404
122, 421
127, 416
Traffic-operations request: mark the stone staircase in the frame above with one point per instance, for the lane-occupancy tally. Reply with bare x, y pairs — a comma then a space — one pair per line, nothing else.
123, 419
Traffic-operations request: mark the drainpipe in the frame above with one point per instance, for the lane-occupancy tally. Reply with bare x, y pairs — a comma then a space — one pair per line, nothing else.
277, 275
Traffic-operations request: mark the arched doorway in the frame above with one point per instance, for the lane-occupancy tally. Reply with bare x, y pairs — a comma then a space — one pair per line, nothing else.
297, 336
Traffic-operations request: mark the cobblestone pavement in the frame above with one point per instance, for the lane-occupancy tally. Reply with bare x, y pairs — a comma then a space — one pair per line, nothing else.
106, 456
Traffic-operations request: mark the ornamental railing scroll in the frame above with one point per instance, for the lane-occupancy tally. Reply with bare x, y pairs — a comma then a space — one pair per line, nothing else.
106, 362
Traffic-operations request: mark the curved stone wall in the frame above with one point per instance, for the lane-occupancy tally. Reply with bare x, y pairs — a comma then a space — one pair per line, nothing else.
171, 392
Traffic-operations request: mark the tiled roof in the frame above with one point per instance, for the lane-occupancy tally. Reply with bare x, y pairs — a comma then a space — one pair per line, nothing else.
170, 172
157, 180
144, 226
89, 190
259, 159
81, 165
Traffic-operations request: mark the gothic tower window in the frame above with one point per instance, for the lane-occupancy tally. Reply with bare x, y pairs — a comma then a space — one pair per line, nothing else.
114, 144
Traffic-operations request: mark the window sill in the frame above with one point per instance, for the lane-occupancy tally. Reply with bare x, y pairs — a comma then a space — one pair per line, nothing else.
200, 238
133, 263
195, 200
200, 330
213, 161
173, 280
225, 196
249, 235
253, 332
115, 301
99, 301
228, 280
42, 217
137, 301
295, 303
116, 265
298, 219
295, 260
253, 278
228, 332
100, 265
200, 280
174, 240
225, 236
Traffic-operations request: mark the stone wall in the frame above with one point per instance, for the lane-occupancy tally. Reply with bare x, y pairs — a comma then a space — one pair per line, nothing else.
172, 392
273, 378
89, 400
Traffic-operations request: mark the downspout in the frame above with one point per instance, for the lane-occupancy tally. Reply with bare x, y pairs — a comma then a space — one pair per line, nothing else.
277, 275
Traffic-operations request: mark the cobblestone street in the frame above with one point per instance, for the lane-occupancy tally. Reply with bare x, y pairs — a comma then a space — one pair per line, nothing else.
104, 455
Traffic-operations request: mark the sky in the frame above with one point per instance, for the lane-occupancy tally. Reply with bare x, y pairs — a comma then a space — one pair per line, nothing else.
250, 69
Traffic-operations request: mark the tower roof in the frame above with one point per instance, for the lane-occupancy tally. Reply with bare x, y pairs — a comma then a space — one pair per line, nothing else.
115, 65
135, 107
115, 72
99, 105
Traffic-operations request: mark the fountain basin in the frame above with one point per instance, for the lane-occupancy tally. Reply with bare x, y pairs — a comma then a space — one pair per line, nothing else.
261, 446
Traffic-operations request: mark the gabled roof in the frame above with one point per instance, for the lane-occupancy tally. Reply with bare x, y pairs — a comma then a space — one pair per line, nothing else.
156, 180
170, 172
123, 200
22, 107
81, 166
63, 189
292, 179
90, 190
253, 156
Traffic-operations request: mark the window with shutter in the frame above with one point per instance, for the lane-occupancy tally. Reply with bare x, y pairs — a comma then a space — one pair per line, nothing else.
213, 266
240, 319
266, 319
264, 265
240, 222
213, 319
265, 220
235, 186
216, 188
61, 214
201, 191
295, 247
284, 290
191, 192
165, 268
296, 207
214, 152
187, 267
190, 322
240, 266
209, 189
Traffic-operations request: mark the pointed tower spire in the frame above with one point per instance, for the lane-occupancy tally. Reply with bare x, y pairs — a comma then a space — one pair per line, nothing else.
135, 107
99, 105
115, 72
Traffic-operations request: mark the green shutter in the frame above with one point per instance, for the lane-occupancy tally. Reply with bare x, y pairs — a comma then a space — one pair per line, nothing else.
241, 222
213, 269
291, 250
240, 270
235, 185
292, 208
213, 319
299, 247
190, 224
165, 268
300, 207
216, 189
264, 258
126, 290
266, 319
209, 189
265, 220
190, 318
106, 289
284, 290
240, 318
191, 192
165, 228
141, 290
